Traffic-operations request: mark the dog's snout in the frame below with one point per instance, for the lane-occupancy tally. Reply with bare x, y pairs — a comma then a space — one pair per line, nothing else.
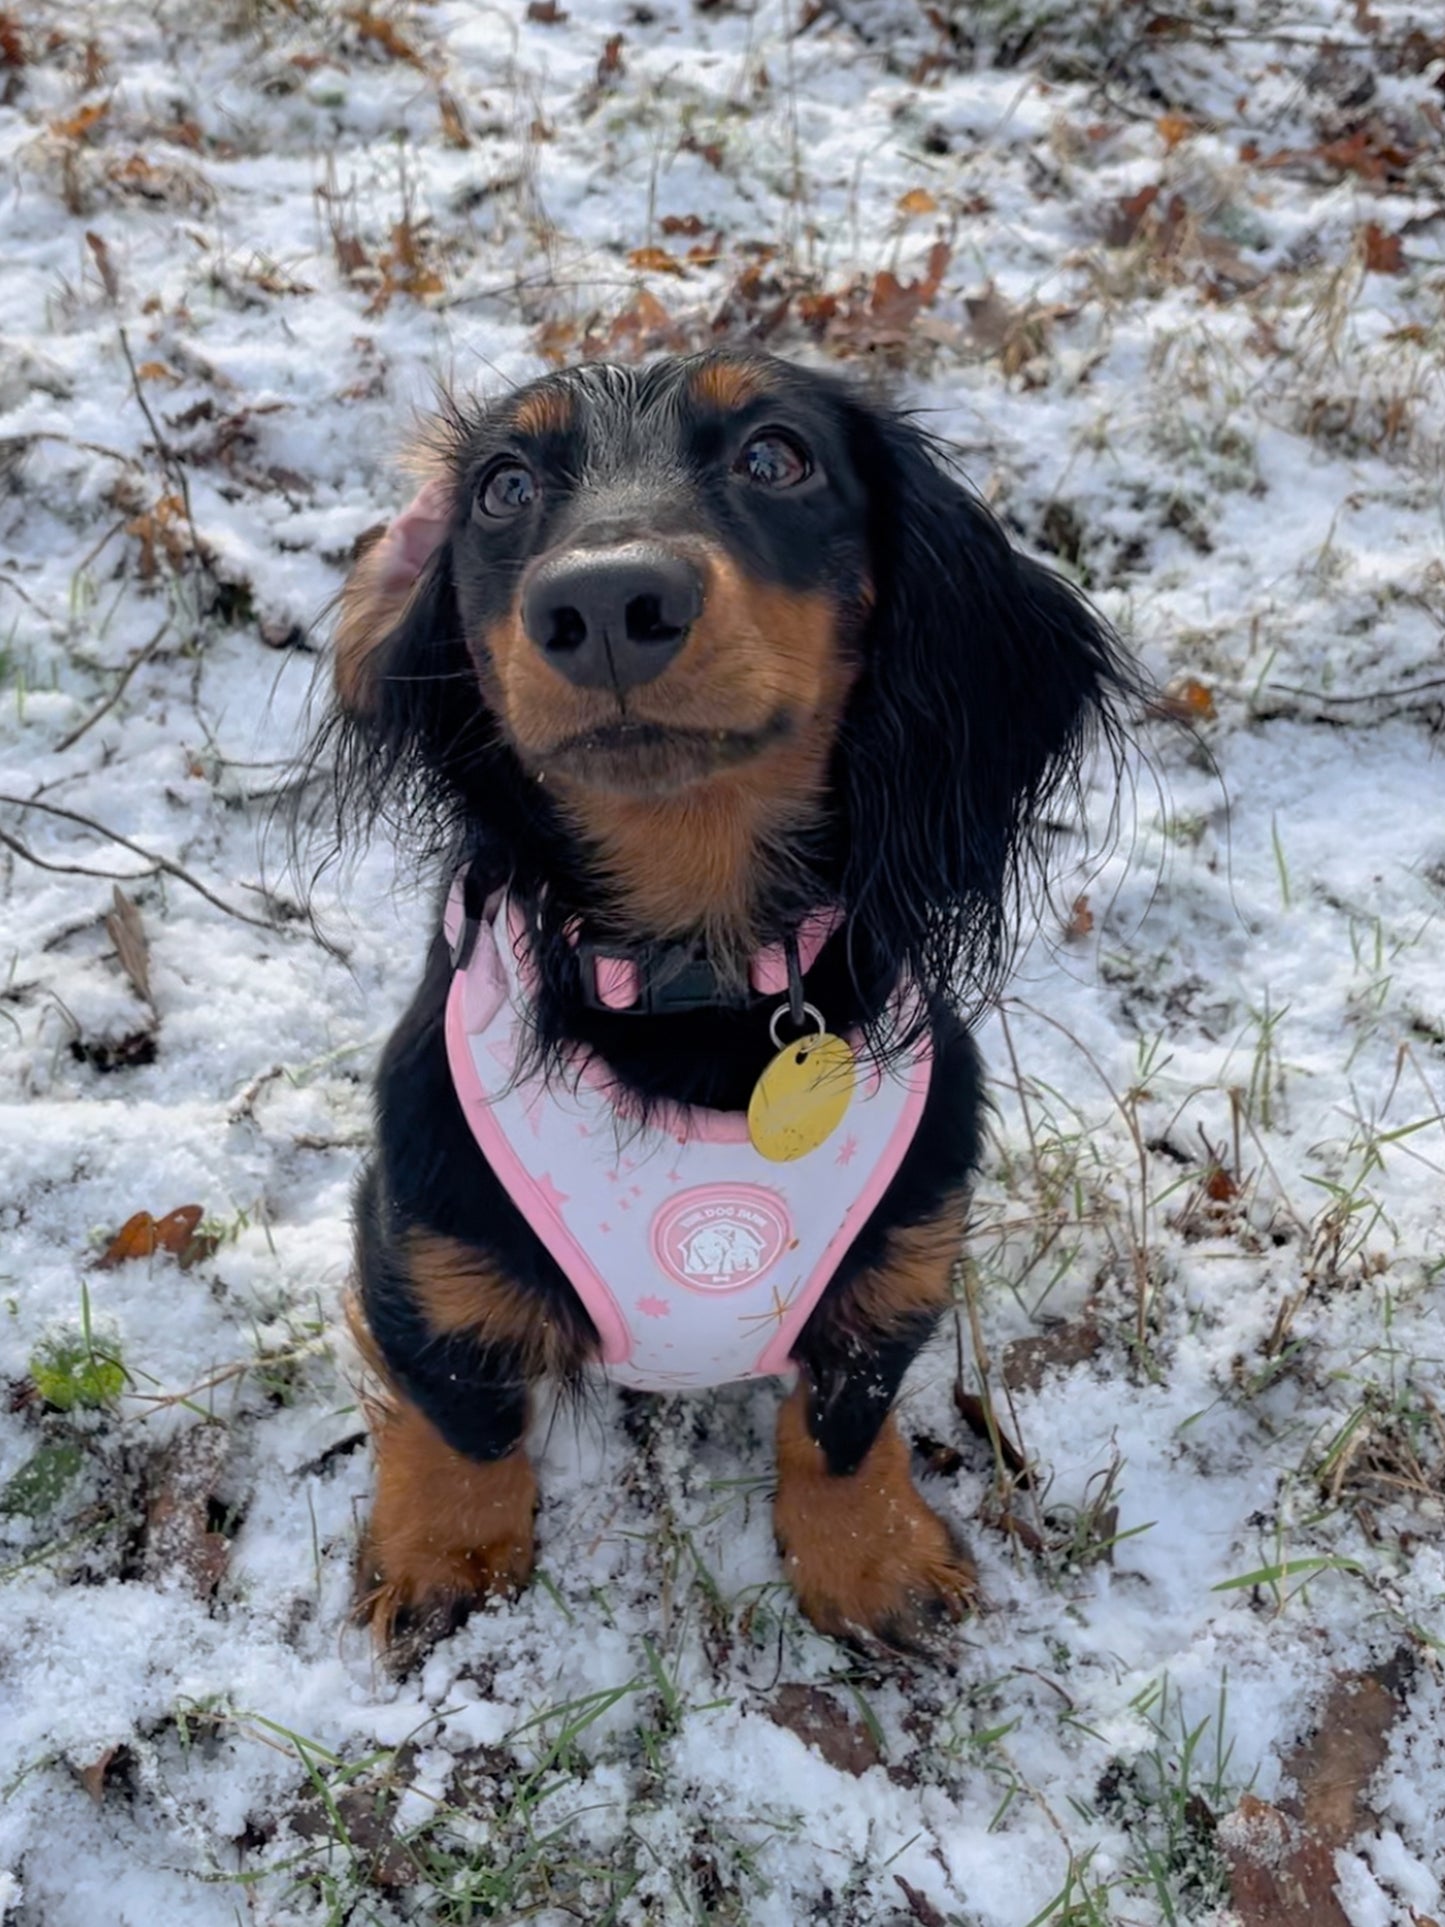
612, 618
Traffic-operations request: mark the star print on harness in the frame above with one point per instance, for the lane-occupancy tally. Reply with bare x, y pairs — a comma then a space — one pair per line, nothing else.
697, 1257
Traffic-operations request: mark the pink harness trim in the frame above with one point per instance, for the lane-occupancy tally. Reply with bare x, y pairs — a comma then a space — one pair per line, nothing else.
728, 1248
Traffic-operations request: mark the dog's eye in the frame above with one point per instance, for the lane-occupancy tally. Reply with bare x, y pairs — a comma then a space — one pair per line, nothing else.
775, 460
506, 490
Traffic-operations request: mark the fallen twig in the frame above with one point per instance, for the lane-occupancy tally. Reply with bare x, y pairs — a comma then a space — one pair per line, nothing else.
153, 857
142, 655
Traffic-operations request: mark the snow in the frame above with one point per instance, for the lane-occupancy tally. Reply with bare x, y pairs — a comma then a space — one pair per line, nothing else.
1234, 437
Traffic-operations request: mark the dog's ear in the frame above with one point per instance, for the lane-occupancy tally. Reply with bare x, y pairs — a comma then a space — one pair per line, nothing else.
400, 733
986, 677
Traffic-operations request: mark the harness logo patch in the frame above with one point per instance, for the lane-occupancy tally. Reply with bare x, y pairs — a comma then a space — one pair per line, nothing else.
720, 1237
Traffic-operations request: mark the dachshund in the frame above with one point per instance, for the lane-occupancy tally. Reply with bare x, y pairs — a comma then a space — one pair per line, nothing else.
731, 722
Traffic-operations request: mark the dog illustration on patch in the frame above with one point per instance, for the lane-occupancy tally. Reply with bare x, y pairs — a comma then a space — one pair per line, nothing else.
722, 1250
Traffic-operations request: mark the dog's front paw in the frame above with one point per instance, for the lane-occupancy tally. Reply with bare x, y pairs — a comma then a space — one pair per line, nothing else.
869, 1560
447, 1533
412, 1604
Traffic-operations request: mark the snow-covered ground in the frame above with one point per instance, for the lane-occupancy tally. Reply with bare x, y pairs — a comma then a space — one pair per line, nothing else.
1173, 280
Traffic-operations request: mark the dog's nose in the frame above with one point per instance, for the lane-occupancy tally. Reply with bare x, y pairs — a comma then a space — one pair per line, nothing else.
612, 618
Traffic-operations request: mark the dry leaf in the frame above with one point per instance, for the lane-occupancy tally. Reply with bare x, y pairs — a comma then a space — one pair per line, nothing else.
92, 1777
126, 931
1173, 128
135, 1239
1027, 1362
1220, 1184
545, 12
1126, 216
916, 201
609, 63
822, 1722
654, 261
110, 281
176, 1229
1384, 253
12, 46
690, 225
644, 324
143, 1235
939, 1458
919, 1905
1282, 1858
976, 1416
454, 128
385, 34
179, 1537
1186, 700
76, 126
1081, 919
710, 151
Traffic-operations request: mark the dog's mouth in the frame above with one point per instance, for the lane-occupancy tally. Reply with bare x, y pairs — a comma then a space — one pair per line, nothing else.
645, 758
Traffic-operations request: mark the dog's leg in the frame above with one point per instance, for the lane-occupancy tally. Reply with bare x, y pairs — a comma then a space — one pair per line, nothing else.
455, 1347
867, 1557
446, 1531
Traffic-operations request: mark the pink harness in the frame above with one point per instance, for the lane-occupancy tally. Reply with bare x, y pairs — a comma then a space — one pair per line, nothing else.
698, 1260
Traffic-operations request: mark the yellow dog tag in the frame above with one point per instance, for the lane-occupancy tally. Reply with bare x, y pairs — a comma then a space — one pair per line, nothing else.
801, 1097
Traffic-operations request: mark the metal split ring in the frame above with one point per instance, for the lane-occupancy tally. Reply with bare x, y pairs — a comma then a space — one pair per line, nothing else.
809, 1010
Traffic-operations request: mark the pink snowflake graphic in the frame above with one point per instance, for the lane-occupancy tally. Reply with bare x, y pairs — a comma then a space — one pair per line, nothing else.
847, 1150
654, 1307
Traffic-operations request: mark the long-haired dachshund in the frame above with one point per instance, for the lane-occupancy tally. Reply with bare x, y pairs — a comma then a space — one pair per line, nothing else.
734, 719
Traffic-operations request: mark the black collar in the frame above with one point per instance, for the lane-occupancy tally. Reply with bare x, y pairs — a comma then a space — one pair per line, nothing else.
671, 978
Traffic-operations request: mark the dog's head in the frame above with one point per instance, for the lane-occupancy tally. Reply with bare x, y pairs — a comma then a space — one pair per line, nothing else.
723, 605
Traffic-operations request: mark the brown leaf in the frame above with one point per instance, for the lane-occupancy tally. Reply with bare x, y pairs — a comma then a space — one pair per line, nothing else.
1126, 216
920, 1906
1384, 253
644, 324
454, 128
92, 1777
546, 13
1173, 128
351, 256
176, 1229
1186, 700
1027, 1362
1220, 1184
385, 34
127, 932
12, 44
655, 261
135, 1239
367, 1814
975, 1415
179, 1536
110, 281
690, 225
822, 1722
142, 1235
1081, 920
610, 63
76, 126
712, 152
917, 201
1282, 1857
938, 1457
